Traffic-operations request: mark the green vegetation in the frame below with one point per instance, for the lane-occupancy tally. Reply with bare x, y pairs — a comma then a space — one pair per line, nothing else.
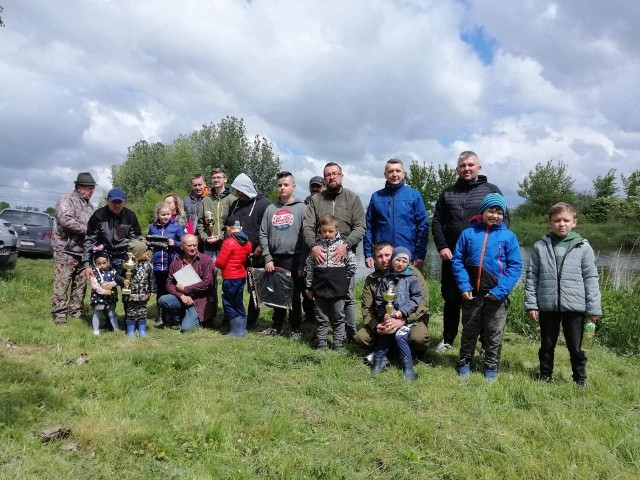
204, 406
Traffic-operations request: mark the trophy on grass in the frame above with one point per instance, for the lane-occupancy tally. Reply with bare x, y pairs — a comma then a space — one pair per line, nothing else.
128, 266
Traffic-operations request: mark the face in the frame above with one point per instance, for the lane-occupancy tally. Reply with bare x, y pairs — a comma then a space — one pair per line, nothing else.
562, 223
328, 231
241, 196
315, 188
142, 257
197, 186
172, 203
468, 169
382, 257
285, 187
333, 177
164, 215
116, 206
218, 180
101, 263
394, 173
492, 215
400, 264
189, 245
85, 191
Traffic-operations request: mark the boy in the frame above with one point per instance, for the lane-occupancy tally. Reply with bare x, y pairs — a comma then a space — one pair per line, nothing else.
486, 266
281, 241
562, 288
231, 260
408, 297
142, 286
328, 284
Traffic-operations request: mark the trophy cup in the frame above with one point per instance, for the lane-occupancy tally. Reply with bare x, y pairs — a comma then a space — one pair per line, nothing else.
389, 296
208, 218
128, 266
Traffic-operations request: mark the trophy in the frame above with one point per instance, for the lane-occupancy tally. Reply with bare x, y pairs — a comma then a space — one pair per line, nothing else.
389, 296
128, 266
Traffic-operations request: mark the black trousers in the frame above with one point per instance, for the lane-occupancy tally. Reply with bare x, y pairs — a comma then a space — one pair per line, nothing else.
290, 263
452, 303
572, 325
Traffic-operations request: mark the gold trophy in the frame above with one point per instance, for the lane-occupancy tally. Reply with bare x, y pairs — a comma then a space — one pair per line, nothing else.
208, 217
128, 266
389, 296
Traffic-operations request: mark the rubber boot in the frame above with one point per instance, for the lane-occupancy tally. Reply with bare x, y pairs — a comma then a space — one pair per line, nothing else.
161, 317
238, 327
142, 329
131, 329
378, 360
490, 371
408, 373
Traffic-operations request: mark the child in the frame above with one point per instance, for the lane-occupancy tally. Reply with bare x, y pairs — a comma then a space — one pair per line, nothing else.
164, 251
231, 260
143, 287
328, 284
104, 295
408, 298
562, 288
486, 265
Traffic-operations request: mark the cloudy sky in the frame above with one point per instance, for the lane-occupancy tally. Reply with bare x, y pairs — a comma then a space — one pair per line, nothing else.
356, 82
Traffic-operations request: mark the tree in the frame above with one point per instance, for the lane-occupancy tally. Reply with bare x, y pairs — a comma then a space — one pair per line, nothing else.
631, 184
50, 211
544, 186
147, 166
605, 186
430, 181
1, 10
4, 205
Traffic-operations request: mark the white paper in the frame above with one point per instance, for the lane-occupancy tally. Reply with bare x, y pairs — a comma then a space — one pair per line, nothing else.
187, 276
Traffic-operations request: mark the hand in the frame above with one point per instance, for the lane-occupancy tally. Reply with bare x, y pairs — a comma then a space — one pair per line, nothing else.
339, 253
152, 295
492, 297
181, 287
107, 291
533, 315
593, 318
418, 262
368, 262
445, 254
258, 251
170, 242
210, 240
467, 296
187, 300
269, 267
309, 294
88, 273
318, 255
127, 282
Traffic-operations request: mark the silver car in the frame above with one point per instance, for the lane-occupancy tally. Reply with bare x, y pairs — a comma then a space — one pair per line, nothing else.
33, 228
9, 242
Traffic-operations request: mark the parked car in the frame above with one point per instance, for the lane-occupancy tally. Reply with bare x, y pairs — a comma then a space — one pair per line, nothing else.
33, 228
9, 242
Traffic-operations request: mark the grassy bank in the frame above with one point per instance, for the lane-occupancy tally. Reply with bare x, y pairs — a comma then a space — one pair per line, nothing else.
204, 406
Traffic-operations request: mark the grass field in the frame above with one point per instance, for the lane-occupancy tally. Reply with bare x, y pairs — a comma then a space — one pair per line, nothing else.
199, 406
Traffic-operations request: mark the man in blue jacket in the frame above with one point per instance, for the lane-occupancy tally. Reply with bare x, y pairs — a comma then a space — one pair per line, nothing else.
396, 214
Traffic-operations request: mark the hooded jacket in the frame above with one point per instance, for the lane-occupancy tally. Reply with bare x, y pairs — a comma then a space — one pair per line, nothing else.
281, 229
455, 207
233, 256
112, 231
573, 287
250, 212
218, 204
408, 293
487, 260
397, 214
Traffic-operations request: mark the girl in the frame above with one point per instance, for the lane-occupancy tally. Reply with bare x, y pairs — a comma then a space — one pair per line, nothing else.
165, 249
177, 210
104, 295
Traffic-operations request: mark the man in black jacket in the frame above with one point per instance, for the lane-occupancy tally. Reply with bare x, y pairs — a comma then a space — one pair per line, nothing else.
455, 207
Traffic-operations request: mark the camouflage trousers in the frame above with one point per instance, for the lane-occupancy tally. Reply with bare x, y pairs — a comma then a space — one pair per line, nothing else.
69, 287
135, 312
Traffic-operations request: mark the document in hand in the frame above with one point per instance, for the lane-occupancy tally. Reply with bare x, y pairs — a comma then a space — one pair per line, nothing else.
187, 276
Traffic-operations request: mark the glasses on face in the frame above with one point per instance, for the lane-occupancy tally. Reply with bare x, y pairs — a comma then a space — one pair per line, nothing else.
332, 174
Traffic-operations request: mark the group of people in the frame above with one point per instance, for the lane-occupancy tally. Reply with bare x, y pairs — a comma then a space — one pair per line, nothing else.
233, 228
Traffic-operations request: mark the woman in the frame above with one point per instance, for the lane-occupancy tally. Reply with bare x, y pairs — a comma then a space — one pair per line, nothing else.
177, 210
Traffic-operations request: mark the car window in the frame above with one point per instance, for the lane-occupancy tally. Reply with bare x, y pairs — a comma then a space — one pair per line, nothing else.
27, 218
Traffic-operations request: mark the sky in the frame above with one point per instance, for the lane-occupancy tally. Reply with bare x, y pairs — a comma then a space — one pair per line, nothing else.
355, 82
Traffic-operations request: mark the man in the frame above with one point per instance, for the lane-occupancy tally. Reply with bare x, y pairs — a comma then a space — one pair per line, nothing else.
193, 201
281, 242
213, 211
454, 208
73, 211
366, 336
346, 206
190, 303
111, 226
316, 185
249, 208
397, 214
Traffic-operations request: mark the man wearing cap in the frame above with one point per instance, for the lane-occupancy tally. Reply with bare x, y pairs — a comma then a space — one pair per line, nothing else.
69, 229
316, 185
454, 208
111, 226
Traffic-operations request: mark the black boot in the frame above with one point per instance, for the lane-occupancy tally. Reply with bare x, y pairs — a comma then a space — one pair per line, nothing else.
376, 368
408, 373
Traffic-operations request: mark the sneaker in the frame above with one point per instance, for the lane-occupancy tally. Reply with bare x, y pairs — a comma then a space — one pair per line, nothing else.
368, 359
96, 333
443, 347
269, 332
464, 368
297, 335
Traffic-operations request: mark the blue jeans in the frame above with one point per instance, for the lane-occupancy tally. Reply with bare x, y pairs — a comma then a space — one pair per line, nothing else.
110, 313
188, 315
232, 298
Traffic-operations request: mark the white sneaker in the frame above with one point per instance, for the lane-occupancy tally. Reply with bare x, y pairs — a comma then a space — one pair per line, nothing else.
96, 332
297, 335
442, 347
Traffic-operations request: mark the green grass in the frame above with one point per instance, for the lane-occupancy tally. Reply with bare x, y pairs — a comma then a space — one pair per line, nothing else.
204, 406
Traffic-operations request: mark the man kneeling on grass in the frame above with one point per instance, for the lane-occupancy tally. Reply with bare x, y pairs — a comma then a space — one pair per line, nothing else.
366, 336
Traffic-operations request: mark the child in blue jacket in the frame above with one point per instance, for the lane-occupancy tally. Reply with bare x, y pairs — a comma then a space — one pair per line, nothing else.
486, 265
165, 249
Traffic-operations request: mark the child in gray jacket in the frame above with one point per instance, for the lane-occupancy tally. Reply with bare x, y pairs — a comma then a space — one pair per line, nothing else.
562, 288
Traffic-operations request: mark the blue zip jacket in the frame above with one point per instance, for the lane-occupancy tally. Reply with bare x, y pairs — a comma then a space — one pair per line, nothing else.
162, 258
397, 214
487, 260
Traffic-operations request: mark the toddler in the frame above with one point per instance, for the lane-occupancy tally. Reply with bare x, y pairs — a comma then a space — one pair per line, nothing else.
142, 286
104, 295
